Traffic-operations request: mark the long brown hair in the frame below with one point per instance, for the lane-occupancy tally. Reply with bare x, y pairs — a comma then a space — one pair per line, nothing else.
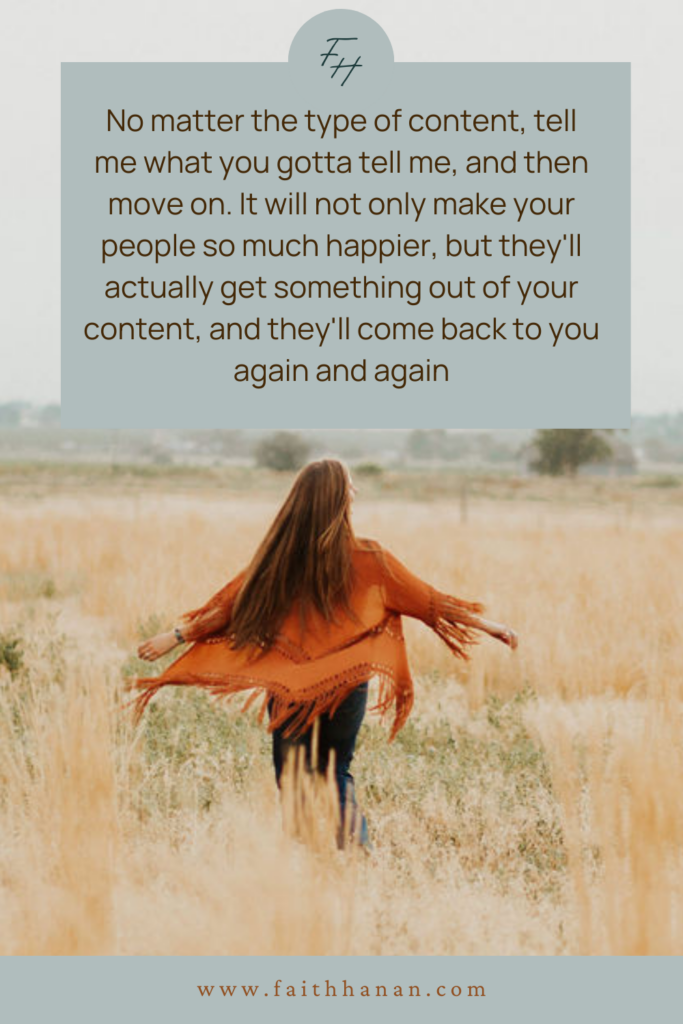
305, 557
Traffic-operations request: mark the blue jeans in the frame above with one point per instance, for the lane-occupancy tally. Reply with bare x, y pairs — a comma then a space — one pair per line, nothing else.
336, 734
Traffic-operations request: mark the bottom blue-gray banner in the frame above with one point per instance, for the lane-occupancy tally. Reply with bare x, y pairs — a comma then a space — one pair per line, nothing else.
483, 989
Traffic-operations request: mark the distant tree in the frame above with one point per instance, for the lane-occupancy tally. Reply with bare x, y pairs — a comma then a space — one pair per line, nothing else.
10, 414
426, 444
561, 452
49, 416
282, 451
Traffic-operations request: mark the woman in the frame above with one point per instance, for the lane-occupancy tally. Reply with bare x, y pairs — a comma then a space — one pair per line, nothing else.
314, 616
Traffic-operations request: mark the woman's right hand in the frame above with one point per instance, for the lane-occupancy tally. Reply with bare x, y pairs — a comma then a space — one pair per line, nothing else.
157, 646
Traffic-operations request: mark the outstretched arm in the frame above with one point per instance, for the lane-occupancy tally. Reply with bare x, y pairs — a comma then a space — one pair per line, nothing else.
158, 645
494, 629
210, 618
454, 620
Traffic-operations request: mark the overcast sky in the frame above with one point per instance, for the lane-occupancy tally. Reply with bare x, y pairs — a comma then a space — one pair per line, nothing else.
36, 36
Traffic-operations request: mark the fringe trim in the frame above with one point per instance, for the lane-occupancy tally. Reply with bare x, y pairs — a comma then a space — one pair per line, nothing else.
457, 637
450, 618
299, 715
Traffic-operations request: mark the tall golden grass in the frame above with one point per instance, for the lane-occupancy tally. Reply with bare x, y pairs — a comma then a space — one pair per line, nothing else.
531, 806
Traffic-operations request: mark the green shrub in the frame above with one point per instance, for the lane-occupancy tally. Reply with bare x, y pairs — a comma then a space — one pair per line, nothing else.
11, 653
282, 451
369, 470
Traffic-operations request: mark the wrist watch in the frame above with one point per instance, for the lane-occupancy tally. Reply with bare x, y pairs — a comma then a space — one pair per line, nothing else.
179, 636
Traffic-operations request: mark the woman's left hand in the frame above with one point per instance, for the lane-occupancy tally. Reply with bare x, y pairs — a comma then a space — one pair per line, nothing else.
157, 646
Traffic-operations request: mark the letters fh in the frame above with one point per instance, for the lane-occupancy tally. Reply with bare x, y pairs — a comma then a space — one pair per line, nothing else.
335, 40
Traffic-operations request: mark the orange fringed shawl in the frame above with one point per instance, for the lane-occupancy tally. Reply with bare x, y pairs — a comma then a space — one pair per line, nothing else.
309, 672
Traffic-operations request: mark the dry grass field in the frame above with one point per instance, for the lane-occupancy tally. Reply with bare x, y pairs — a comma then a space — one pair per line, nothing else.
532, 804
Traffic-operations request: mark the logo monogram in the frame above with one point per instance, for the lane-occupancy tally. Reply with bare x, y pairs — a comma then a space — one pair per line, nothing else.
330, 53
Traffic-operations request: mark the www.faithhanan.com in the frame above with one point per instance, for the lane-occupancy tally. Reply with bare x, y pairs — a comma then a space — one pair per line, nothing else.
329, 990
